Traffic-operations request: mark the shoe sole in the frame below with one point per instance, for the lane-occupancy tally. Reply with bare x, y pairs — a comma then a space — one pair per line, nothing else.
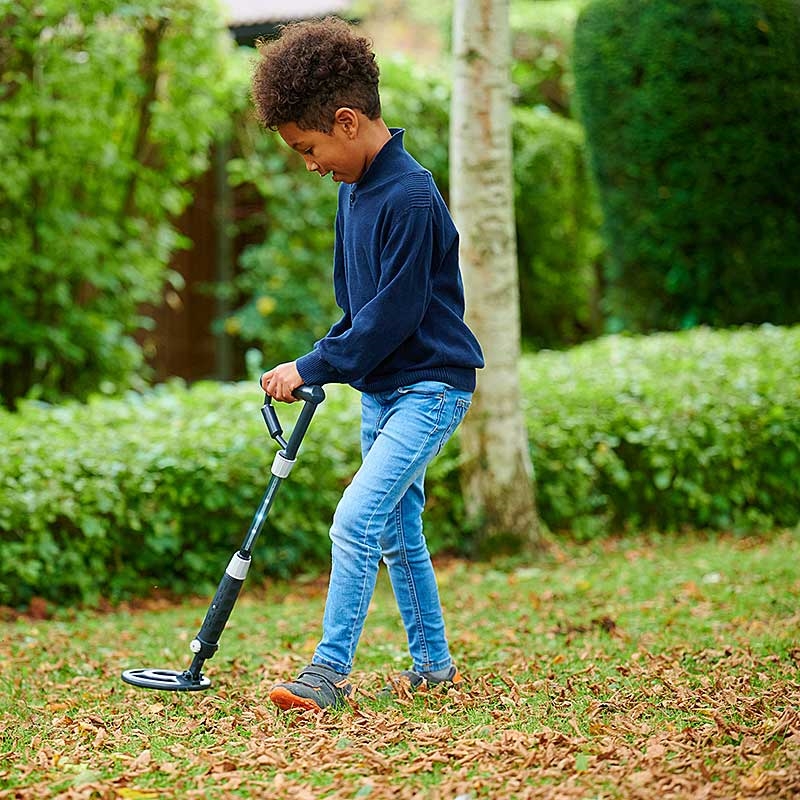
287, 701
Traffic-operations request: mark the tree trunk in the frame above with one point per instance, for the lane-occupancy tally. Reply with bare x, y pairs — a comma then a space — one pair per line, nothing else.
497, 475
152, 35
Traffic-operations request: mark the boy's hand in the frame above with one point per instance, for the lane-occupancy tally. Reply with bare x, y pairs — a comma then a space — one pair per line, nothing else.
281, 381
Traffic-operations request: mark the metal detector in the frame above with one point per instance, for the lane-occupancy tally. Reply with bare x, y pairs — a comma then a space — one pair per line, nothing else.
206, 643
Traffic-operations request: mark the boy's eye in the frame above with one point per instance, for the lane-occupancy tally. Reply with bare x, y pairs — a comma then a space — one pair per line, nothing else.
309, 152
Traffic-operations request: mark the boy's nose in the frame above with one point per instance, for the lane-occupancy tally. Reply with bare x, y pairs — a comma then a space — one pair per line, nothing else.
311, 165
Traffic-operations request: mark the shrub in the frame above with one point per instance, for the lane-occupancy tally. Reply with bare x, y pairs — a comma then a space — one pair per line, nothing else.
542, 41
417, 98
696, 429
282, 294
558, 221
690, 108
117, 496
105, 112
109, 499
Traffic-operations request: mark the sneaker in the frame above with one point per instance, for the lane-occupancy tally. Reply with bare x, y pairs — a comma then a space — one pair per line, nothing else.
315, 688
408, 682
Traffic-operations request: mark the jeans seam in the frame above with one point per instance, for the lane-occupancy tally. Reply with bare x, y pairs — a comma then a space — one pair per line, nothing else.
460, 405
423, 642
365, 567
351, 643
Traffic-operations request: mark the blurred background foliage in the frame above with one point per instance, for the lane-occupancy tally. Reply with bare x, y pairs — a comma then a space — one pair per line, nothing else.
692, 111
656, 185
642, 202
106, 111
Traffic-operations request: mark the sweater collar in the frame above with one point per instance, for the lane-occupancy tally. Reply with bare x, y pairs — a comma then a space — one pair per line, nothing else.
385, 161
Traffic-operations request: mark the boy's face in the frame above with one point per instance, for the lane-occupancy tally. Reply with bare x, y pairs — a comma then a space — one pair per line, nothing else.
340, 152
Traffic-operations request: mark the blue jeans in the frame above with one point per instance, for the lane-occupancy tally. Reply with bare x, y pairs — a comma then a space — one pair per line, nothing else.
380, 516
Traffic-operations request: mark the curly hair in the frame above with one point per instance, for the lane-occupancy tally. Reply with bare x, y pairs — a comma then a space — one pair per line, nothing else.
310, 71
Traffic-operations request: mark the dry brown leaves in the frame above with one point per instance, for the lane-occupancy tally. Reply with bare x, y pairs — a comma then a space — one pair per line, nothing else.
571, 707
738, 737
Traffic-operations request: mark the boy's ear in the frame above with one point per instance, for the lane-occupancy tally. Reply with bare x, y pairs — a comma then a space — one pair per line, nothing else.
347, 119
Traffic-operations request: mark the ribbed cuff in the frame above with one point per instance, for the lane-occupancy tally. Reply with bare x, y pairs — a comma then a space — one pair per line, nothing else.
315, 370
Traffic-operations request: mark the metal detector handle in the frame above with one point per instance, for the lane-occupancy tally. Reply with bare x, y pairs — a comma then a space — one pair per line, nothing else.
273, 423
312, 396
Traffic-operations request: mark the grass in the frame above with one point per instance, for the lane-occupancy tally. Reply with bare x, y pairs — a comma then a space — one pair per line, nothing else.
635, 668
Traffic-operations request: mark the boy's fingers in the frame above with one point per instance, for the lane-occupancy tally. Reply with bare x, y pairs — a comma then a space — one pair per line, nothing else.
266, 377
279, 383
278, 391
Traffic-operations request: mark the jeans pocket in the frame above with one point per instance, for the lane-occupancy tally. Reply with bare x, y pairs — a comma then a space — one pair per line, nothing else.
460, 409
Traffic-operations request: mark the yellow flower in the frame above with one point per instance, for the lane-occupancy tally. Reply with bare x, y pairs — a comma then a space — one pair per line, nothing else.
232, 326
266, 305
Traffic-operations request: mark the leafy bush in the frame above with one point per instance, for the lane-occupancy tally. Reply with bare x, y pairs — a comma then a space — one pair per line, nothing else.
282, 295
106, 110
417, 98
690, 108
117, 496
541, 68
698, 429
558, 220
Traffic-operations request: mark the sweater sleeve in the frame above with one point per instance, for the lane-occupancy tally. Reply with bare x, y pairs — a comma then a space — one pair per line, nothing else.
404, 290
313, 368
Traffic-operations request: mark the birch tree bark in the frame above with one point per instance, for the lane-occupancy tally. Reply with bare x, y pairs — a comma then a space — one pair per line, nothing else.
497, 475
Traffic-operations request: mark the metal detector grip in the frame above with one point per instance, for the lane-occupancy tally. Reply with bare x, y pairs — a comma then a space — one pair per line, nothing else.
206, 643
273, 423
311, 395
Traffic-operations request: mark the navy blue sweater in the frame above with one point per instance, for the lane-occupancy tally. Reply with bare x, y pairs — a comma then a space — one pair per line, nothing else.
397, 281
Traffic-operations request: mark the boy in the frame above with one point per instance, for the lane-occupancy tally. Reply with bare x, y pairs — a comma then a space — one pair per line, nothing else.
401, 341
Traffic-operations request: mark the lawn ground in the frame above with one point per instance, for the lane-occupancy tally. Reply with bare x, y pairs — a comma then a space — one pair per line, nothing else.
638, 668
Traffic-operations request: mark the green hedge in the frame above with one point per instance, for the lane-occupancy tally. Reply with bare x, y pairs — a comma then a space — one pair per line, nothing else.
118, 496
691, 115
109, 499
695, 429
